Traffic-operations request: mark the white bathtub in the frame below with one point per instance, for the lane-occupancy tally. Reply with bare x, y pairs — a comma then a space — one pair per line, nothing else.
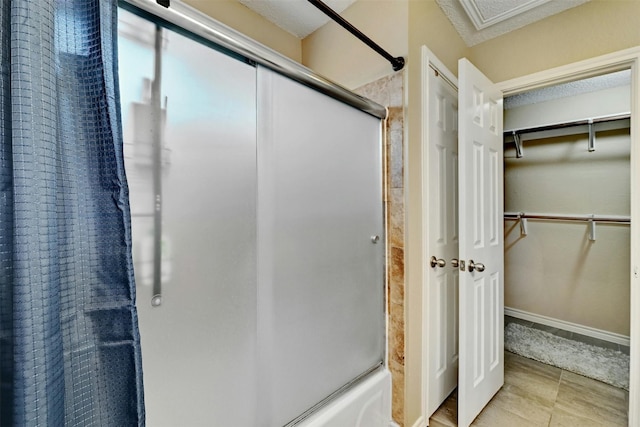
368, 404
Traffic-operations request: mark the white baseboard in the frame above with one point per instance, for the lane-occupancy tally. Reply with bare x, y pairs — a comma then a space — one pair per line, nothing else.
420, 422
568, 326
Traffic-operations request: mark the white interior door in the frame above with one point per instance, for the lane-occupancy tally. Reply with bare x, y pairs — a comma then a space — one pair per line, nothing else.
481, 334
441, 186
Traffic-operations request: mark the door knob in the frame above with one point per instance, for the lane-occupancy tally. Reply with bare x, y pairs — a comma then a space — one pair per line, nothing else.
435, 262
455, 263
475, 266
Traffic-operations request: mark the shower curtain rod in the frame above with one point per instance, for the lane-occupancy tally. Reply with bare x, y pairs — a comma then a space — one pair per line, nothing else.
179, 14
396, 62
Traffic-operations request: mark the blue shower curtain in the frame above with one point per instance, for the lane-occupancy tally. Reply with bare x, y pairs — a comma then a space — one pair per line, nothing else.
69, 340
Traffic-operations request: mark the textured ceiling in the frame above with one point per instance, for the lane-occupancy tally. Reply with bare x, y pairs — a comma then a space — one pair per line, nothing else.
298, 17
480, 20
475, 20
605, 81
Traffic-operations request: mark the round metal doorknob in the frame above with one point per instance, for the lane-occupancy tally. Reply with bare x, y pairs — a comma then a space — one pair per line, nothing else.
475, 266
435, 262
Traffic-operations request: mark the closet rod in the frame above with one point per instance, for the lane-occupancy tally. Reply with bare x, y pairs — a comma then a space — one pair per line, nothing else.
396, 62
563, 217
583, 122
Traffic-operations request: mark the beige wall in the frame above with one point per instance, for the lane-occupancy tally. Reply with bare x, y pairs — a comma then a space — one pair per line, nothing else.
246, 21
334, 53
401, 26
555, 270
592, 29
428, 26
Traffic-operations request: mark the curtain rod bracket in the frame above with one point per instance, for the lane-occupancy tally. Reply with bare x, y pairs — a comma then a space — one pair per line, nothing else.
397, 63
165, 3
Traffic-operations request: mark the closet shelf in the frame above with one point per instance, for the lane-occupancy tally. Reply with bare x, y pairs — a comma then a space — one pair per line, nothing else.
562, 125
610, 122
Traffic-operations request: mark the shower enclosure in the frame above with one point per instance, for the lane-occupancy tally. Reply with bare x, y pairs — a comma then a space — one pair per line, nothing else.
257, 226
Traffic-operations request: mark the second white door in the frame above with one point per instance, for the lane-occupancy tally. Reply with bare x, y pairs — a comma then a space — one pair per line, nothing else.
441, 196
464, 234
481, 248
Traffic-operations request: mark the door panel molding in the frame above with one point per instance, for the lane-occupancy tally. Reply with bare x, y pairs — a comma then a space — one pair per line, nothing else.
440, 235
481, 335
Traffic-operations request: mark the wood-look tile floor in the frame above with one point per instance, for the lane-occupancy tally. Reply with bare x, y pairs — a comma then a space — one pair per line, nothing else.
535, 394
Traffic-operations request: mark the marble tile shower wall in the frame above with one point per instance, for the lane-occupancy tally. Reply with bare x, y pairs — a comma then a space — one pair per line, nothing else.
388, 91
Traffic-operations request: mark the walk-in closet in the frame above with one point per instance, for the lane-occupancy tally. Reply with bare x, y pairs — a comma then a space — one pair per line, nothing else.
565, 151
567, 207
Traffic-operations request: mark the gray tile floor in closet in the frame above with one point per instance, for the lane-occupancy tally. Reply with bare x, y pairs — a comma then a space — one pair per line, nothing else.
535, 394
569, 335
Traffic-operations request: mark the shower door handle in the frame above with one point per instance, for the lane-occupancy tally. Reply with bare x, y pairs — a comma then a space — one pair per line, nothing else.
156, 164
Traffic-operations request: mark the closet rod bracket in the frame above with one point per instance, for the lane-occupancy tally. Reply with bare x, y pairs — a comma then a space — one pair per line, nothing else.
523, 224
592, 229
591, 147
518, 141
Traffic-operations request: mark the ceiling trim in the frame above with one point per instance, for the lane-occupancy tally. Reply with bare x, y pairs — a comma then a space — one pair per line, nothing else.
499, 17
480, 21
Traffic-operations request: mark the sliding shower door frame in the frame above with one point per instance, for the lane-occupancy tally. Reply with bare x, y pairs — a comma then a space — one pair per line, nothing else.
368, 275
183, 16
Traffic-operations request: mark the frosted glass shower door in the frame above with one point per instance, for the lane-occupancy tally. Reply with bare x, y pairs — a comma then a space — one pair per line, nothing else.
199, 345
320, 247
